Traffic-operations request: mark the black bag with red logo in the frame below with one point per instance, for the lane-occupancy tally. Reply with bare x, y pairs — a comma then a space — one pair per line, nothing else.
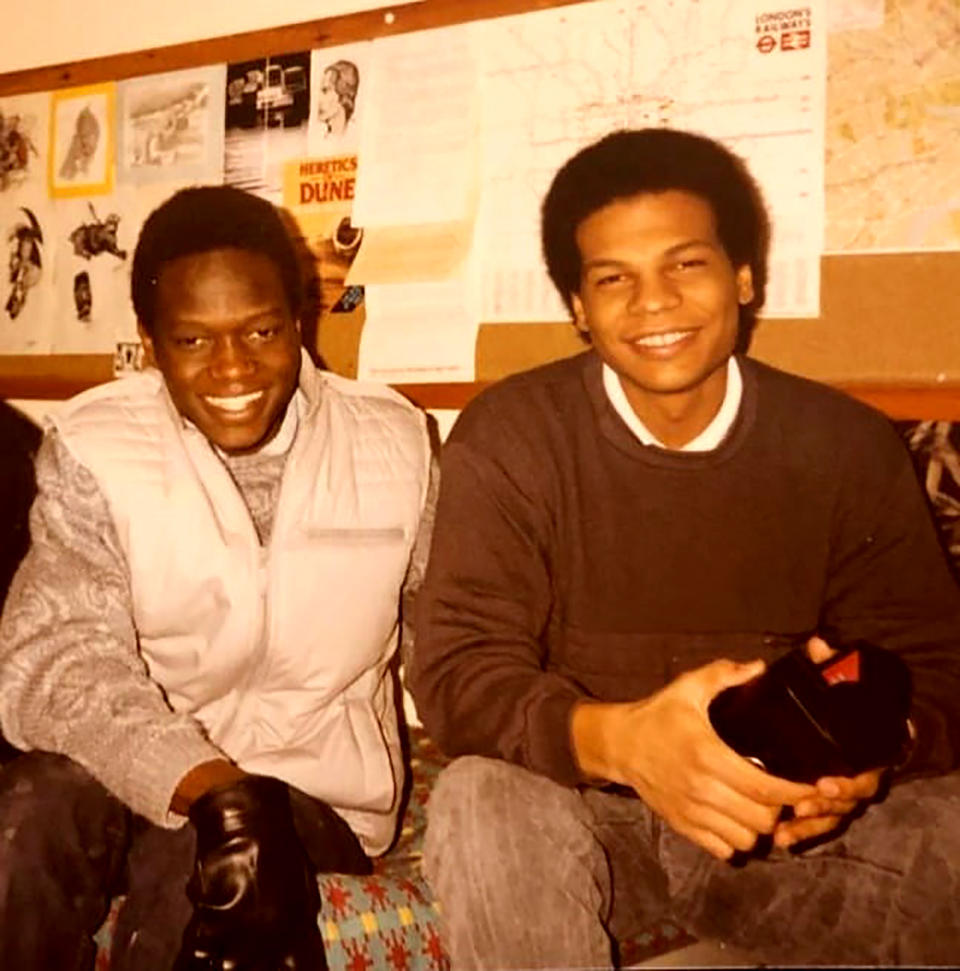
801, 720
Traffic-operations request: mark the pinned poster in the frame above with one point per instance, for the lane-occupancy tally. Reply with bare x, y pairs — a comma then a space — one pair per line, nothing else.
82, 141
318, 193
28, 285
266, 110
424, 105
417, 332
338, 91
94, 242
171, 127
24, 124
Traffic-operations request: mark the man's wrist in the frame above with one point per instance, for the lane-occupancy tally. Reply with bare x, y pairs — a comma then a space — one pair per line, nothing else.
590, 730
200, 780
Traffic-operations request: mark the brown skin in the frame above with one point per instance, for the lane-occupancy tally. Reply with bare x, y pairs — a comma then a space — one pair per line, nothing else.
223, 329
653, 264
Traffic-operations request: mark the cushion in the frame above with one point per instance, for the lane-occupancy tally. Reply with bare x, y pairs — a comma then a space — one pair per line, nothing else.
389, 921
935, 449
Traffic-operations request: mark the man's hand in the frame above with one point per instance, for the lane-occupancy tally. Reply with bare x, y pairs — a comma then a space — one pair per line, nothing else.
836, 796
665, 748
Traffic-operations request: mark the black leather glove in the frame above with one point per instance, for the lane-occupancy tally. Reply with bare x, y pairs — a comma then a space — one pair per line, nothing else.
254, 892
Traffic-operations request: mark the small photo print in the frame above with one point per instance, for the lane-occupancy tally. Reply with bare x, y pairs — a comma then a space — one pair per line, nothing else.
81, 140
266, 112
127, 357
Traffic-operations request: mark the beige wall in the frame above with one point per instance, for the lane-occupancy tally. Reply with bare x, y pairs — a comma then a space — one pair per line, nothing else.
43, 32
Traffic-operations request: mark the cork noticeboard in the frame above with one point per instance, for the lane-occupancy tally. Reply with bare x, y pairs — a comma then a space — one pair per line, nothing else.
887, 319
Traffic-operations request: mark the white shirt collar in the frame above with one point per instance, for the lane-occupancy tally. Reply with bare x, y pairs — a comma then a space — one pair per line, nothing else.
708, 439
281, 442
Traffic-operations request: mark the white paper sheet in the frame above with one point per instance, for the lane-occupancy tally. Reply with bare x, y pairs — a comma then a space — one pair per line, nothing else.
419, 332
854, 14
418, 143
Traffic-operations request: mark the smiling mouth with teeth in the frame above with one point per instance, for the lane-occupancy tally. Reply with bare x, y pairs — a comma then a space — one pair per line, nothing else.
662, 340
235, 403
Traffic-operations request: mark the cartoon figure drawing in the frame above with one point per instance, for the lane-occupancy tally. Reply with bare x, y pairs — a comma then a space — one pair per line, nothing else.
15, 150
83, 145
337, 96
96, 237
26, 261
82, 295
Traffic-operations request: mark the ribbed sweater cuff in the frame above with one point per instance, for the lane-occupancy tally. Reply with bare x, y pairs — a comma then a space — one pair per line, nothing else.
158, 769
549, 748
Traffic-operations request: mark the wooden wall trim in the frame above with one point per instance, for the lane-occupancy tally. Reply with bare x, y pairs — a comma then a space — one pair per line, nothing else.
344, 29
47, 378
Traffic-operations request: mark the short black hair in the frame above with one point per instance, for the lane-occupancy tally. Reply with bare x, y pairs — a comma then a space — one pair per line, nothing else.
204, 218
648, 160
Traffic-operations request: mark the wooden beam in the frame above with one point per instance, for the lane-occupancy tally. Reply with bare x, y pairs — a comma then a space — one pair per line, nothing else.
62, 375
347, 28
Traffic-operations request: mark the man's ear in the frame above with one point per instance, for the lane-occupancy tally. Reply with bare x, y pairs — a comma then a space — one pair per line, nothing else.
149, 357
579, 315
745, 292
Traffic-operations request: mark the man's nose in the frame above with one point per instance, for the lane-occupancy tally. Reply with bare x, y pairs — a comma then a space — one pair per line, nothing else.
654, 293
231, 356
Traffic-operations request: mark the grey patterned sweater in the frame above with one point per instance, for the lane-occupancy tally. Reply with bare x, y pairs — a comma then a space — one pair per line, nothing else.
71, 676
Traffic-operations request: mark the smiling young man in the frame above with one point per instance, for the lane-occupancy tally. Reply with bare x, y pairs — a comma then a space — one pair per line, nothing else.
203, 625
622, 535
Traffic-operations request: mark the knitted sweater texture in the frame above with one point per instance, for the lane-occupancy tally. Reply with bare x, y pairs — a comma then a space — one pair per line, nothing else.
569, 561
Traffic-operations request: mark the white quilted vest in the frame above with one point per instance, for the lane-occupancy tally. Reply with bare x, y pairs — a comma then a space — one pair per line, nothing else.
279, 652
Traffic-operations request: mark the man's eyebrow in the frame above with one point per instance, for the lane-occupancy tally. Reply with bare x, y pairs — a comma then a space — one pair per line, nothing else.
612, 261
269, 310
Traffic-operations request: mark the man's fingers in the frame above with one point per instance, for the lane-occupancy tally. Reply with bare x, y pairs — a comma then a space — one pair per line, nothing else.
824, 807
796, 830
716, 796
717, 675
863, 786
819, 650
713, 844
727, 829
755, 784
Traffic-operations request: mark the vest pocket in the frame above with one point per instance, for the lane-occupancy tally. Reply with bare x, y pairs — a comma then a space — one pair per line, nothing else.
359, 536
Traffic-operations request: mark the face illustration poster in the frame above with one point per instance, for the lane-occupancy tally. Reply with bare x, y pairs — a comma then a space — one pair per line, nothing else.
82, 140
337, 90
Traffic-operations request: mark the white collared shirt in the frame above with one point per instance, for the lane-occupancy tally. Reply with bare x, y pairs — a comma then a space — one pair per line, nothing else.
707, 440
